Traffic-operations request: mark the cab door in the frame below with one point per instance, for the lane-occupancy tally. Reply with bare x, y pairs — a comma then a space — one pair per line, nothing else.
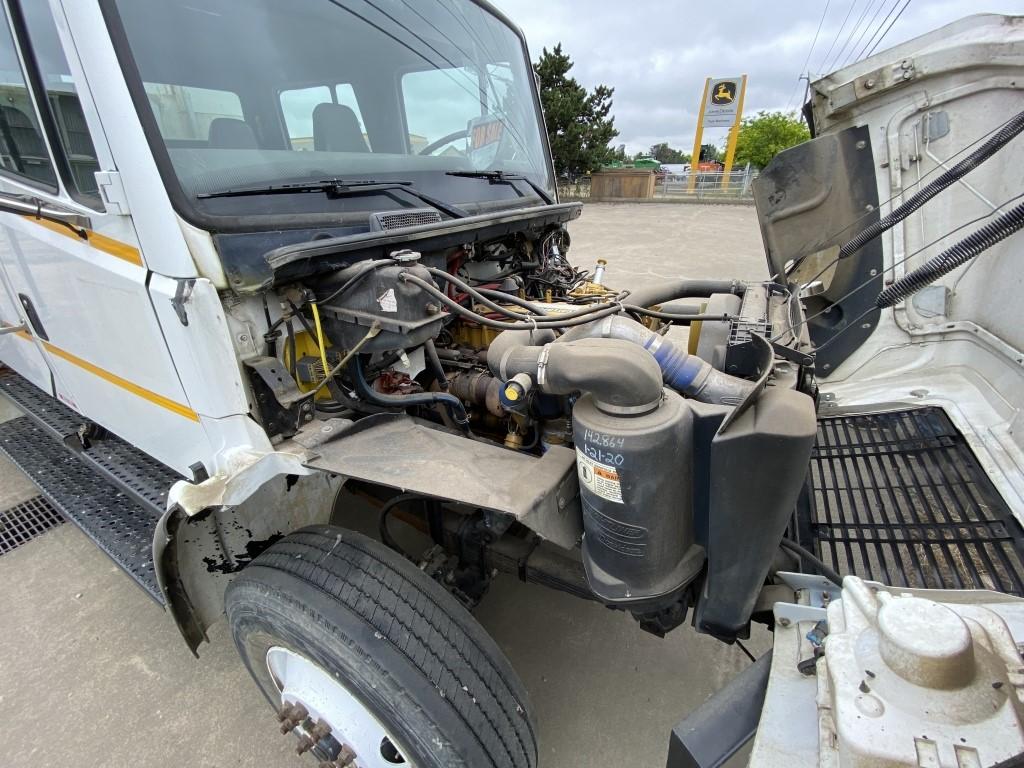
81, 275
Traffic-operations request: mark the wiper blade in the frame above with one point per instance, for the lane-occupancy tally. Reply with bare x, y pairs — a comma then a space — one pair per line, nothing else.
502, 177
338, 188
332, 187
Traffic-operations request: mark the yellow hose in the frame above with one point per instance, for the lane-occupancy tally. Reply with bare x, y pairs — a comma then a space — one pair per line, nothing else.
320, 338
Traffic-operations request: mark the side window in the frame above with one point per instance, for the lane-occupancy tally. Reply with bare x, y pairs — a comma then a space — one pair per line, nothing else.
62, 101
22, 149
440, 103
185, 113
298, 105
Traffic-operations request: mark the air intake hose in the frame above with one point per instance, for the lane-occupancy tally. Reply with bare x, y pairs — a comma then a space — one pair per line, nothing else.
683, 288
680, 370
951, 258
621, 376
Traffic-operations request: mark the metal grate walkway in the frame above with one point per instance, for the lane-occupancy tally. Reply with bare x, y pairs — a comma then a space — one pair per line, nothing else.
899, 497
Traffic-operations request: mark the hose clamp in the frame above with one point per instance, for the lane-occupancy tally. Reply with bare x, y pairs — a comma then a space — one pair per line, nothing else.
542, 364
627, 410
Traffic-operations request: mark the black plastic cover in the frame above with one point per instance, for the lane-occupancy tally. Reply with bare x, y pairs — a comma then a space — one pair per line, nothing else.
758, 464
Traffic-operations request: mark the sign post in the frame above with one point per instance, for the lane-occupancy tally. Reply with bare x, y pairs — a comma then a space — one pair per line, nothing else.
734, 132
695, 157
721, 106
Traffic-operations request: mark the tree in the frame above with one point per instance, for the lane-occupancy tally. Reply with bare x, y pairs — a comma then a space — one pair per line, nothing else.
764, 136
663, 153
580, 126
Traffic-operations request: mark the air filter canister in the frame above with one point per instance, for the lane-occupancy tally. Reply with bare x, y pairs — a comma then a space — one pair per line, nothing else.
635, 473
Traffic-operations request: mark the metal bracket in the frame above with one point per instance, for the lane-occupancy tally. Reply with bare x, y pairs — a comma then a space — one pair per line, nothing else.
182, 293
282, 406
112, 191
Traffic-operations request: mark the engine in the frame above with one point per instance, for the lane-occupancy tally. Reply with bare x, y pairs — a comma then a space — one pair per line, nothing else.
690, 406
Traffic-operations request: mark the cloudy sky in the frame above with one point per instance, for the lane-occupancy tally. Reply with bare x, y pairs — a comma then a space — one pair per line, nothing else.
656, 53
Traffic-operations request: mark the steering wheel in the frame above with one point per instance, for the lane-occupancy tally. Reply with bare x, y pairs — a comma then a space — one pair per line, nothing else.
436, 145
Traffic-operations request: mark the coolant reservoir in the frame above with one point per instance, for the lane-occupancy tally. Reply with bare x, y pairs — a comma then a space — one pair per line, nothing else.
910, 681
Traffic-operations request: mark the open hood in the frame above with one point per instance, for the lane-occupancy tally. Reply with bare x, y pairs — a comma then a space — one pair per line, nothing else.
884, 128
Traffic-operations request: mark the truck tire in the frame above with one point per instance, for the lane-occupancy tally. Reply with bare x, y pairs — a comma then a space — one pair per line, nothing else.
392, 666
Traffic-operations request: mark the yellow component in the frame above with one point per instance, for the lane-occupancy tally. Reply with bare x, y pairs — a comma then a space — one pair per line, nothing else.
512, 392
307, 346
694, 337
320, 338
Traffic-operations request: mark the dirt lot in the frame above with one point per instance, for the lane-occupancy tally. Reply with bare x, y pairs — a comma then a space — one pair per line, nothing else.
93, 673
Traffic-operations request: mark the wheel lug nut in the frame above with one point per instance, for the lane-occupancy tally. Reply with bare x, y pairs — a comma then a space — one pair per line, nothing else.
319, 730
305, 744
345, 757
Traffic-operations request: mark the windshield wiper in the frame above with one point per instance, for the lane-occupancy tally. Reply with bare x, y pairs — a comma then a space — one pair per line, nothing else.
502, 177
338, 188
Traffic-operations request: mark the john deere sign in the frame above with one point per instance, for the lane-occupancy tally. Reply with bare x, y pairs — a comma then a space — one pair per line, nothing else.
720, 107
722, 103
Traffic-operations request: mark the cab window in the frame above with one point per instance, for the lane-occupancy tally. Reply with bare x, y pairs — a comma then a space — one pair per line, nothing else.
63, 103
187, 115
22, 148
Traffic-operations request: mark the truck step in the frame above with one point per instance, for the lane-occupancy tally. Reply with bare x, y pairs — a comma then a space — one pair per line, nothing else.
140, 476
900, 497
115, 493
117, 523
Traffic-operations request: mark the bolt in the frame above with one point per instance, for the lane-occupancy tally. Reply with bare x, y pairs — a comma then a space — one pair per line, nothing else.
305, 744
319, 730
243, 337
295, 712
432, 308
861, 144
907, 75
287, 727
906, 64
869, 83
345, 757
784, 622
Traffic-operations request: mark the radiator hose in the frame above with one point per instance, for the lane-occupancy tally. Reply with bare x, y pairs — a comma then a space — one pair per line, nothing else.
951, 258
366, 393
997, 141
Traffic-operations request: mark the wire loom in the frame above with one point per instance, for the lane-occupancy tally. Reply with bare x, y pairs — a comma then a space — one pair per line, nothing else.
959, 254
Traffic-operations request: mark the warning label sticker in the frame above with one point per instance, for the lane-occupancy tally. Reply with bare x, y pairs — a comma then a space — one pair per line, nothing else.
388, 302
600, 479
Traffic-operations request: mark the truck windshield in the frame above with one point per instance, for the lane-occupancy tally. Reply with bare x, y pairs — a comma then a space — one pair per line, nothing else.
245, 93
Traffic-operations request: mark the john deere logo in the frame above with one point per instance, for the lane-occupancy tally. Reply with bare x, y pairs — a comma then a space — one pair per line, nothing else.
725, 93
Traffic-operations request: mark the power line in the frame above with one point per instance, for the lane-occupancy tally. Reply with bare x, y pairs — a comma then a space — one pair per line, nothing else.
809, 52
821, 66
863, 51
871, 21
889, 27
853, 31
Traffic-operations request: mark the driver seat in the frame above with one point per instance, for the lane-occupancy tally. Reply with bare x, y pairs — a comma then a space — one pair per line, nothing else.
336, 129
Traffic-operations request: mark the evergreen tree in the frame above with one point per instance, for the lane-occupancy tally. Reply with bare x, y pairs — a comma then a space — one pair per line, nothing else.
580, 125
